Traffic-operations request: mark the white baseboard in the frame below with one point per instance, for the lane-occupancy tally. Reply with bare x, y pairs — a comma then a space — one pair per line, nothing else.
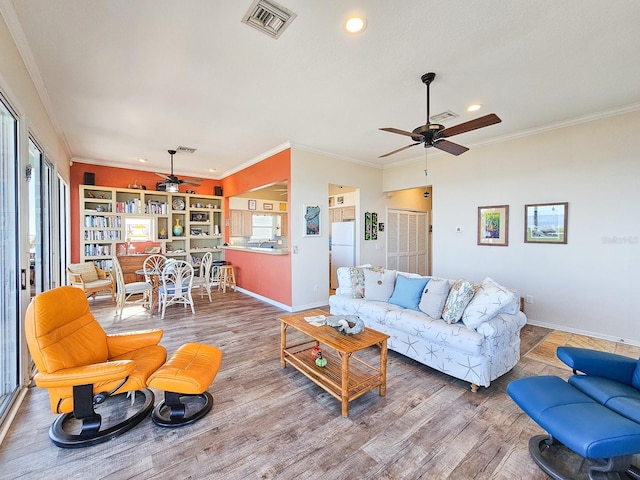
587, 333
266, 300
287, 308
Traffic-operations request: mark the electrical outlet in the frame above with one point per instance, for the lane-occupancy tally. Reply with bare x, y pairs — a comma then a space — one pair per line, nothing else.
295, 249
529, 299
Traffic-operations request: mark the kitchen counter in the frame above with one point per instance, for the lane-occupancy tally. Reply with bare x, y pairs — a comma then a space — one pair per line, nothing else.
264, 250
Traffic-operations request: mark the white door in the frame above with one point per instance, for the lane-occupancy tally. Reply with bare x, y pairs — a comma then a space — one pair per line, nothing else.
408, 241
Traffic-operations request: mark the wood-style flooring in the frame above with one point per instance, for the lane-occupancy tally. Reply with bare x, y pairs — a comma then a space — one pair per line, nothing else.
273, 423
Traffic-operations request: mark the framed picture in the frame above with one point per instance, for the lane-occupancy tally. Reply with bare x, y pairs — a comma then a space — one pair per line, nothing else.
252, 204
267, 206
283, 207
367, 226
340, 200
546, 222
312, 220
332, 201
493, 225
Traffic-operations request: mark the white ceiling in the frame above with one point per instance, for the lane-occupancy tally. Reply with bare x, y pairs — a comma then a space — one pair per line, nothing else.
130, 79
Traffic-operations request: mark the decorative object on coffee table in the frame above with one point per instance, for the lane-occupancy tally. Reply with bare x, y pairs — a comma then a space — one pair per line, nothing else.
347, 324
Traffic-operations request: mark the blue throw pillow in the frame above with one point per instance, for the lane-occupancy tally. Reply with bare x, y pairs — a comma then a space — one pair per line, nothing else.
408, 291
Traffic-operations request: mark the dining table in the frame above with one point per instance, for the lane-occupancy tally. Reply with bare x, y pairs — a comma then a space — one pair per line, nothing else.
154, 279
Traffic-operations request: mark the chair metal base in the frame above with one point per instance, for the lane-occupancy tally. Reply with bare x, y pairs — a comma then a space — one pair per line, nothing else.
615, 468
90, 433
172, 412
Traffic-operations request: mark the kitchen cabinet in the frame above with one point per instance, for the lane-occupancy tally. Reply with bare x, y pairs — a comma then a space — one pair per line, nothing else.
342, 214
240, 223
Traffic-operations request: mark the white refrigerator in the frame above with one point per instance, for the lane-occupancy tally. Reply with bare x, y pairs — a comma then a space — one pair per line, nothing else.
343, 248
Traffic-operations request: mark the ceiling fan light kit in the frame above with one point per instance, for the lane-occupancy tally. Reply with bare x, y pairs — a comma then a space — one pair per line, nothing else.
172, 183
434, 134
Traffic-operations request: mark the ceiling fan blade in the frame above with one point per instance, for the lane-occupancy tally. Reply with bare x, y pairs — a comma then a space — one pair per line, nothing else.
401, 132
450, 147
474, 124
399, 150
163, 176
188, 182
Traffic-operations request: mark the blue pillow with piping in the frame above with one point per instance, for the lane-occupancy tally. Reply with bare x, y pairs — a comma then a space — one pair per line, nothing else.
408, 291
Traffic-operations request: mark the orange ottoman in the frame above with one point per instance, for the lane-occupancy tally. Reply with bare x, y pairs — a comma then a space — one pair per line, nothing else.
185, 378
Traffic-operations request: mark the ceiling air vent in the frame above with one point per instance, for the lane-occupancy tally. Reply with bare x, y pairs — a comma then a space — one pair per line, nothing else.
268, 17
444, 116
186, 149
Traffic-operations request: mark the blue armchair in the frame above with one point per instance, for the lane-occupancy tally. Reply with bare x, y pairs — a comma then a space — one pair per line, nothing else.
596, 413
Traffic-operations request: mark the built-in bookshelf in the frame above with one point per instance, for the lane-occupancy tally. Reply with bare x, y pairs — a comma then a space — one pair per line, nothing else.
113, 218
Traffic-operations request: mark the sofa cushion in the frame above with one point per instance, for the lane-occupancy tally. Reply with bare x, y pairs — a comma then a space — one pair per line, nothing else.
418, 326
460, 295
408, 291
378, 285
490, 299
434, 297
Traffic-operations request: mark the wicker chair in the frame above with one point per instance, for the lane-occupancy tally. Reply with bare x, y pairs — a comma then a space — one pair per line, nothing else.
91, 279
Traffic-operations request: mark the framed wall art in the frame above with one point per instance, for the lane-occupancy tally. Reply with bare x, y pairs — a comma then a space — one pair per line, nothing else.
267, 206
493, 225
312, 220
546, 222
252, 204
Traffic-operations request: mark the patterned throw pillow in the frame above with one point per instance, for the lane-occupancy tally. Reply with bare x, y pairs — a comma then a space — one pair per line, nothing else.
460, 294
490, 298
434, 297
351, 281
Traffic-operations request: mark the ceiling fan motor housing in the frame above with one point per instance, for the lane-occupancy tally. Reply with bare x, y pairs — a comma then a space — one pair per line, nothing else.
427, 133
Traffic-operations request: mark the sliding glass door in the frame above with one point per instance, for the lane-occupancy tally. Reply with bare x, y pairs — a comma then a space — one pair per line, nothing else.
9, 261
41, 210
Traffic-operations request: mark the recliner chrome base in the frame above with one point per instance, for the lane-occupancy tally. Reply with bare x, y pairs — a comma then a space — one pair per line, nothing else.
615, 468
172, 412
90, 434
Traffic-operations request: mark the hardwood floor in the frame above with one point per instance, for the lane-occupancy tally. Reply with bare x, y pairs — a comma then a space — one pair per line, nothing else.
273, 423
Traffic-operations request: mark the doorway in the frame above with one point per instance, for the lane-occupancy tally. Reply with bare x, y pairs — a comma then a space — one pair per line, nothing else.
343, 249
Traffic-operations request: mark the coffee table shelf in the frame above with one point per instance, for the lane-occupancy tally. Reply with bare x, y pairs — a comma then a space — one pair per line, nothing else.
345, 377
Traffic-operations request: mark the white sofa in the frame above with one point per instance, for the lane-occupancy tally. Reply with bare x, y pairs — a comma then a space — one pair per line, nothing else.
472, 331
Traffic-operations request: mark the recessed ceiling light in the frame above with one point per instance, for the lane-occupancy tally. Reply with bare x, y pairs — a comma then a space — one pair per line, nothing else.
474, 107
355, 25
142, 160
212, 169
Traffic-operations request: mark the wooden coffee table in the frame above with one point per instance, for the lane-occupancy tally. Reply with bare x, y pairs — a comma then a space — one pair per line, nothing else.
344, 379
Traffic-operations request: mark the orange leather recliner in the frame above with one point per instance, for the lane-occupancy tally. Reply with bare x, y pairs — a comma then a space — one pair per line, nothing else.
82, 366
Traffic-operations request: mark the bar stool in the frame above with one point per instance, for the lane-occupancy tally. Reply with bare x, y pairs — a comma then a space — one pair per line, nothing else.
227, 278
215, 271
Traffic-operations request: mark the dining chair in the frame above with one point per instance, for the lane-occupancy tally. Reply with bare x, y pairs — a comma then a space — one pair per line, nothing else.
176, 282
125, 290
204, 280
152, 268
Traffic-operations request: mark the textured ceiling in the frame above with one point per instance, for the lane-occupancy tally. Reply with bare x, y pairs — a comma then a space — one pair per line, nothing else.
130, 79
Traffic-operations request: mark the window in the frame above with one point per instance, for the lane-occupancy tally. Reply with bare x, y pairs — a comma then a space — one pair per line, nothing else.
138, 229
262, 227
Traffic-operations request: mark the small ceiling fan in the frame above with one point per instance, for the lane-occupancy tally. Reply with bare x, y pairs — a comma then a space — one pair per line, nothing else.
434, 134
172, 182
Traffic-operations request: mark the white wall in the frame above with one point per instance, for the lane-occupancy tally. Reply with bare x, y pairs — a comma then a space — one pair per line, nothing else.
20, 90
311, 174
586, 286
